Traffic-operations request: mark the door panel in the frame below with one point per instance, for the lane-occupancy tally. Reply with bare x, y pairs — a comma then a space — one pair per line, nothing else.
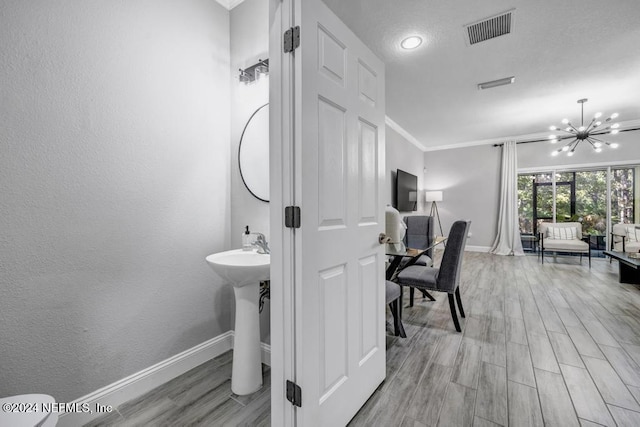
339, 144
368, 165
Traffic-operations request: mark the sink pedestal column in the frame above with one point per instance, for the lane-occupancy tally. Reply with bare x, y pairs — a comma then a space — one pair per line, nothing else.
246, 376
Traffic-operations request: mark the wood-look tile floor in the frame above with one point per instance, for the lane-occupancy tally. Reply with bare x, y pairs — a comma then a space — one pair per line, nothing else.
555, 345
200, 397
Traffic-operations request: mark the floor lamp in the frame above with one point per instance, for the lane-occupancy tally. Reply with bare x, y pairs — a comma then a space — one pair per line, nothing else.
433, 197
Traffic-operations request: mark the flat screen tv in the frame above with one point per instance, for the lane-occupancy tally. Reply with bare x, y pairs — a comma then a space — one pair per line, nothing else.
406, 191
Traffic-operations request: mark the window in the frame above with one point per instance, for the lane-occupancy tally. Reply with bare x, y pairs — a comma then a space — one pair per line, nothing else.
578, 196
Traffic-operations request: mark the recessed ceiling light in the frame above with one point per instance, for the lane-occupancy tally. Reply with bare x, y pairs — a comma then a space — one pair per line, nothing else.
411, 42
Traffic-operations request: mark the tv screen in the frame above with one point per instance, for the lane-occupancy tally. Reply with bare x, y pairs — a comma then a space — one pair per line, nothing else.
406, 191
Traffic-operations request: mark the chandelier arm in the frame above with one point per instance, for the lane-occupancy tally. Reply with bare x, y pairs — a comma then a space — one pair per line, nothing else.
591, 127
596, 139
569, 145
566, 134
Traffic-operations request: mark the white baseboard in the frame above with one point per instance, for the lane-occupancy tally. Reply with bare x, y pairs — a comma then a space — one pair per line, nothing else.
265, 353
147, 379
477, 248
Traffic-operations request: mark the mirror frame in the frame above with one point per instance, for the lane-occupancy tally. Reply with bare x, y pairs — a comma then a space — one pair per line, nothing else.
240, 148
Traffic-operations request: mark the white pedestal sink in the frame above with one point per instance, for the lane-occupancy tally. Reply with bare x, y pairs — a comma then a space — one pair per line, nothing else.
244, 270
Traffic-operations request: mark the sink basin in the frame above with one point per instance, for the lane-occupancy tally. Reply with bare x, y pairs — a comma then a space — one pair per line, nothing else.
241, 267
244, 270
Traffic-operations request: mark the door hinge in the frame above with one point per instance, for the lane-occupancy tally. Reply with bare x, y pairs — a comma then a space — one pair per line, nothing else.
292, 217
291, 39
294, 394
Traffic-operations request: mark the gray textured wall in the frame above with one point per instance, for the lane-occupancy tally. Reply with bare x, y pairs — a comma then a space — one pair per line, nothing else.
470, 181
249, 42
114, 184
401, 154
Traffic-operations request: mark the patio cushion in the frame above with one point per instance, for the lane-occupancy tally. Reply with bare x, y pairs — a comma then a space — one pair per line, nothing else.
633, 234
563, 233
631, 247
566, 245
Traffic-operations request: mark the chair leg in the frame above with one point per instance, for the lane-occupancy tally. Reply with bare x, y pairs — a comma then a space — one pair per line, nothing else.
452, 306
459, 302
589, 257
427, 294
411, 292
398, 327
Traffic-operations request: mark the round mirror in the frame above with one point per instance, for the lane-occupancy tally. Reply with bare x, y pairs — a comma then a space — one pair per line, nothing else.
253, 154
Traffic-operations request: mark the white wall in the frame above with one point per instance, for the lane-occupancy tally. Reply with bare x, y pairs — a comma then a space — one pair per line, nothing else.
114, 176
249, 42
401, 154
470, 181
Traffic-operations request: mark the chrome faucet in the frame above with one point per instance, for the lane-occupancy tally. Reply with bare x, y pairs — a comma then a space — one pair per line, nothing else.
261, 244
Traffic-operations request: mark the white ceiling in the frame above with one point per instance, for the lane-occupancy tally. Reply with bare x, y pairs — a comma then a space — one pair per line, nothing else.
559, 52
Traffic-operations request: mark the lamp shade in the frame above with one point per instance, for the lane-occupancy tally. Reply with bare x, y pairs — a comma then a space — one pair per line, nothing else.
433, 196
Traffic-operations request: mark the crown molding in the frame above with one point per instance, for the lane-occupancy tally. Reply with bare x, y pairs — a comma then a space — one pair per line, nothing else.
518, 138
577, 166
229, 4
406, 135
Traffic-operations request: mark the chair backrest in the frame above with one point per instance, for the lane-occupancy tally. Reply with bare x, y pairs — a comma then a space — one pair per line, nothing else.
449, 271
545, 226
621, 229
420, 232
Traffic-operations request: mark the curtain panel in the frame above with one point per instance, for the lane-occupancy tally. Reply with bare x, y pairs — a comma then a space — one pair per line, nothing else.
508, 241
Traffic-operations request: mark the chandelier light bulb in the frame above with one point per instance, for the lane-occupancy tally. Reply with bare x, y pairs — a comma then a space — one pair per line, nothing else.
615, 131
570, 153
553, 141
565, 148
552, 127
614, 115
598, 123
614, 145
554, 153
597, 144
568, 129
552, 137
615, 126
581, 128
565, 121
598, 115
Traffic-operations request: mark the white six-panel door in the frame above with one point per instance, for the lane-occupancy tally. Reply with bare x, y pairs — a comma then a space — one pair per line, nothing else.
339, 179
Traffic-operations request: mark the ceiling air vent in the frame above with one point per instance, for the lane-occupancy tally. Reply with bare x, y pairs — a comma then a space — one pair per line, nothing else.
490, 28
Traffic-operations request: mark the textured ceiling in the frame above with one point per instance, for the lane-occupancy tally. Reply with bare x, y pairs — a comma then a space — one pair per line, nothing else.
559, 52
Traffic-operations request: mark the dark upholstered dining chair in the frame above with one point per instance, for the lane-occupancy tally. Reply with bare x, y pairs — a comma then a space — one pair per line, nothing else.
393, 297
446, 278
420, 234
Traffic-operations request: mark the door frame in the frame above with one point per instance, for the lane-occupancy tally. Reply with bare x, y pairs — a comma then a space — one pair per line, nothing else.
281, 189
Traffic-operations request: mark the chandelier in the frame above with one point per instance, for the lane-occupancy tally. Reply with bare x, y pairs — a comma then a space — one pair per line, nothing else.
587, 133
